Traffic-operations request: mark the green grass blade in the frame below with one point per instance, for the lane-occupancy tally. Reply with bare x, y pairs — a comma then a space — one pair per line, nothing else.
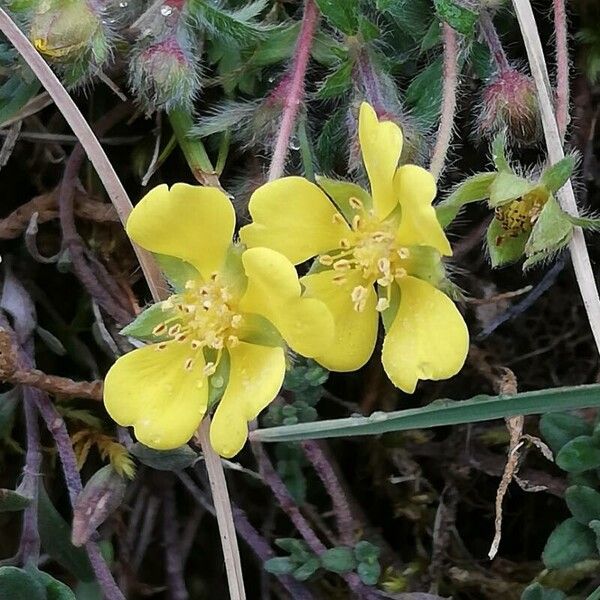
438, 413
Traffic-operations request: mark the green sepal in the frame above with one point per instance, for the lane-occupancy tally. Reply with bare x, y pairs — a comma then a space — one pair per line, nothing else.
280, 565
502, 247
176, 271
506, 187
340, 193
472, 189
217, 382
141, 327
176, 459
337, 83
555, 176
389, 314
425, 263
341, 14
591, 223
551, 233
256, 329
457, 16
499, 152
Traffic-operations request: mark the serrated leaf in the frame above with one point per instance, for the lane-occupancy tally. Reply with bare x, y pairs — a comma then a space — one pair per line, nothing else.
165, 460
432, 37
338, 560
504, 248
580, 454
570, 543
457, 16
424, 94
559, 428
337, 83
17, 584
13, 501
552, 230
474, 188
55, 535
369, 572
584, 503
367, 29
506, 187
341, 14
141, 327
538, 592
591, 223
555, 176
281, 565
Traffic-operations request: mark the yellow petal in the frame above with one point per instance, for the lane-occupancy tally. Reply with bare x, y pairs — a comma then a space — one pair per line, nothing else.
151, 390
294, 217
274, 292
428, 338
355, 332
255, 376
415, 189
190, 222
381, 145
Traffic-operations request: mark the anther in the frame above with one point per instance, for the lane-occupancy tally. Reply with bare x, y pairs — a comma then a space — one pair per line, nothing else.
339, 279
337, 219
189, 363
210, 368
326, 260
190, 284
400, 272
359, 297
382, 304
403, 253
355, 203
233, 341
180, 337
159, 329
342, 265
356, 222
345, 244
236, 321
161, 346
174, 329
195, 344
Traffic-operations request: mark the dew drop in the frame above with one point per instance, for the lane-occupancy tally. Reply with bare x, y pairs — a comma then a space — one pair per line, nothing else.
378, 415
294, 143
166, 10
123, 4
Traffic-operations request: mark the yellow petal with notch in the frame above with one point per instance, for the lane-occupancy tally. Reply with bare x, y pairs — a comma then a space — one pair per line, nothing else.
152, 390
415, 189
355, 332
274, 292
294, 217
255, 377
428, 338
190, 222
381, 145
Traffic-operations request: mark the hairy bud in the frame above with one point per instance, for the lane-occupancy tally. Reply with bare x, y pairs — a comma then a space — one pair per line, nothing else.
509, 102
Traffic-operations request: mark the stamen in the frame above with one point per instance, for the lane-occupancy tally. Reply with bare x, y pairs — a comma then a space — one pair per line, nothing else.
383, 264
342, 265
233, 341
189, 363
159, 329
174, 329
382, 304
326, 260
355, 203
210, 368
400, 272
214, 276
195, 344
403, 253
359, 297
356, 222
339, 279
190, 284
345, 244
236, 321
161, 346
180, 337
337, 219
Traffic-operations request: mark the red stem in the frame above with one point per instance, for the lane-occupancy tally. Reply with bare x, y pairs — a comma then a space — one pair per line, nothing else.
295, 91
562, 67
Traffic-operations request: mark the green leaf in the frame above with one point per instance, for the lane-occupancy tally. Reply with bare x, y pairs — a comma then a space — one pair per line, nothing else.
457, 16
595, 527
552, 232
306, 570
55, 535
8, 406
89, 591
367, 29
12, 501
584, 503
141, 327
570, 543
506, 187
424, 94
337, 83
366, 552
55, 590
499, 152
504, 248
369, 573
341, 14
474, 188
439, 413
17, 584
559, 428
296, 548
239, 26
554, 177
432, 38
281, 565
537, 592
338, 560
591, 223
580, 454
165, 460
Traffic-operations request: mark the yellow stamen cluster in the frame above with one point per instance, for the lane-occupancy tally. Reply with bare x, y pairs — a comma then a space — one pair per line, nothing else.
371, 248
520, 215
205, 317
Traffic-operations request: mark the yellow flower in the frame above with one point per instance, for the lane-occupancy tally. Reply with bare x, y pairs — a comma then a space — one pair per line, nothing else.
225, 323
377, 253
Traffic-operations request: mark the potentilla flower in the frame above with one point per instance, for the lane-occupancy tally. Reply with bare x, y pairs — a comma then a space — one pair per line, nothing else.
221, 331
378, 253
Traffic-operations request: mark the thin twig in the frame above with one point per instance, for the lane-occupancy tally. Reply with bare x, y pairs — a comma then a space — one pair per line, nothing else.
579, 253
295, 92
448, 109
218, 486
562, 67
82, 130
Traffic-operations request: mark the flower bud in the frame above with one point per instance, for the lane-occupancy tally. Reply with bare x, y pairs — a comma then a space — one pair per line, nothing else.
164, 74
65, 30
509, 102
102, 495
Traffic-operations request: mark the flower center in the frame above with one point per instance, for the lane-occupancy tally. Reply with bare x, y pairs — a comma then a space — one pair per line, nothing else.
519, 216
373, 250
206, 318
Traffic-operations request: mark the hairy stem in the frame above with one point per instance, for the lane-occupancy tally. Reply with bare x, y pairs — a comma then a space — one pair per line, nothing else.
369, 81
295, 91
562, 67
577, 247
493, 41
450, 83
